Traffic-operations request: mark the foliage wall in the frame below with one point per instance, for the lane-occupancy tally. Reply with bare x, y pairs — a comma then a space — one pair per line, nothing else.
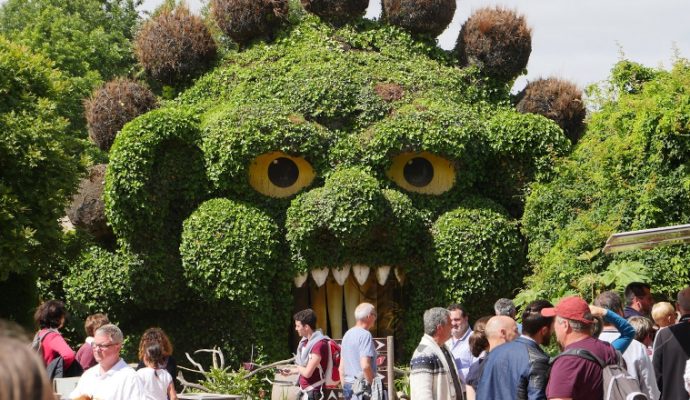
630, 171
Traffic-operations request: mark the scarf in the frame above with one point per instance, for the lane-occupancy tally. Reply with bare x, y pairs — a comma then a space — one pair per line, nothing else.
305, 346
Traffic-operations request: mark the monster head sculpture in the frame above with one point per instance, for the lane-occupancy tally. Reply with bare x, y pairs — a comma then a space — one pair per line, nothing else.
331, 165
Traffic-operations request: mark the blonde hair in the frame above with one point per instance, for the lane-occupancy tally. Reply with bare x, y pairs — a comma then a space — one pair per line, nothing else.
661, 311
22, 374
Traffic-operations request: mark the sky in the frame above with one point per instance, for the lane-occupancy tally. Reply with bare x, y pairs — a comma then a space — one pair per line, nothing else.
579, 40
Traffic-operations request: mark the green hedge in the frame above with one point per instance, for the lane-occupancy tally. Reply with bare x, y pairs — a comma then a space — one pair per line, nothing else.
628, 172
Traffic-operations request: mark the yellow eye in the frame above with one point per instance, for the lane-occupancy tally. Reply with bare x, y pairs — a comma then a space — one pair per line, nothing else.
422, 172
277, 174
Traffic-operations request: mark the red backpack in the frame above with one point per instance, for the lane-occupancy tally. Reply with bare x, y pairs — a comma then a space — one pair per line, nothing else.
332, 374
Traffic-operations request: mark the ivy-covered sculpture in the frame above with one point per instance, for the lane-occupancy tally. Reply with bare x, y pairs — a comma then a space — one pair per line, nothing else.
328, 166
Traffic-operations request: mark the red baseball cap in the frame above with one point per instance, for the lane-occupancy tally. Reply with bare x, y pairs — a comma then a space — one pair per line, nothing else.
571, 307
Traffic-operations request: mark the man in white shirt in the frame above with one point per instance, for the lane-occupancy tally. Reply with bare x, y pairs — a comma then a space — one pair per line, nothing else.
458, 344
111, 378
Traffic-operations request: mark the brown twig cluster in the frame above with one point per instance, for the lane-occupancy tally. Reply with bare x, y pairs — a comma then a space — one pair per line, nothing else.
112, 106
430, 17
175, 46
496, 40
244, 20
87, 210
558, 100
336, 11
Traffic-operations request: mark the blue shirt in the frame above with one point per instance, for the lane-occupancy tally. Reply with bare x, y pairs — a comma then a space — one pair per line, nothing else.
460, 349
357, 343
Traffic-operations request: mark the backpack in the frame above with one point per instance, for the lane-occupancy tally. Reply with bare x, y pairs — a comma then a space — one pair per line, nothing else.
37, 342
56, 367
618, 384
331, 376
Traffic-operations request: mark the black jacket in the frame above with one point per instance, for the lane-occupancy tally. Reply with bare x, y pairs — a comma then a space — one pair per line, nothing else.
671, 352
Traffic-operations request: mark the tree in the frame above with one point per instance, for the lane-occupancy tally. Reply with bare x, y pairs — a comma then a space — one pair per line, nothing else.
37, 173
628, 172
89, 40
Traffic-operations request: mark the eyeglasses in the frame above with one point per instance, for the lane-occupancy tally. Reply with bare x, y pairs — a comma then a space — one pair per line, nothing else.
103, 346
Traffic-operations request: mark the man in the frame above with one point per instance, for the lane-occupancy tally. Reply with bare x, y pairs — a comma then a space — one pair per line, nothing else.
433, 375
357, 351
506, 307
574, 377
672, 350
111, 378
459, 340
638, 297
519, 369
312, 355
638, 363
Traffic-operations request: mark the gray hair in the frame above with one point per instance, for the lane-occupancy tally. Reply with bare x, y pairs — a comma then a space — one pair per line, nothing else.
364, 310
505, 307
610, 300
684, 300
644, 327
433, 318
578, 326
111, 331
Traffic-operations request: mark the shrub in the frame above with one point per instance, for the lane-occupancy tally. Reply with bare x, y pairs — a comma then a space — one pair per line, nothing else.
87, 210
244, 20
112, 106
496, 40
428, 17
175, 46
558, 100
336, 10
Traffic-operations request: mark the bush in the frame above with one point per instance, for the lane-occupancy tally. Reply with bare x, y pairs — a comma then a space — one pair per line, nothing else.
428, 17
244, 20
496, 40
112, 106
628, 172
37, 174
175, 46
558, 100
336, 10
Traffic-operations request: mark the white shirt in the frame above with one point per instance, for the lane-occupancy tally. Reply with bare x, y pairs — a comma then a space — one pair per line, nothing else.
155, 383
460, 349
119, 383
638, 363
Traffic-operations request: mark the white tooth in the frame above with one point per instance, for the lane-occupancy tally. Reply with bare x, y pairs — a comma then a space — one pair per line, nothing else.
361, 273
400, 274
341, 274
300, 279
382, 273
319, 275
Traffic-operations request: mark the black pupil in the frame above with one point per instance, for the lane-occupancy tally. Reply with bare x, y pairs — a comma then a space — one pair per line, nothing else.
283, 172
418, 172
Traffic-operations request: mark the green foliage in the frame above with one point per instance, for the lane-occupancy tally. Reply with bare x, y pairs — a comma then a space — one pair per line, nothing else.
156, 177
233, 382
629, 172
480, 254
234, 135
89, 40
37, 174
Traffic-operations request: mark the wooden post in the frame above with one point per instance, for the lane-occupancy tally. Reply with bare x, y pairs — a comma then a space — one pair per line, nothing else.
392, 395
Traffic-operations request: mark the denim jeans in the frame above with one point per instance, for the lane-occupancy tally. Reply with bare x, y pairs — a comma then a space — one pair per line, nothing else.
347, 391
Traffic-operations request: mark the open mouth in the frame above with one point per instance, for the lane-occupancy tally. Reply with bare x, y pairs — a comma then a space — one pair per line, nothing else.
334, 293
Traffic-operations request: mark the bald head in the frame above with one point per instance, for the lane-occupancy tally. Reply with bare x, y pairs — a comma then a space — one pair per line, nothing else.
684, 301
501, 329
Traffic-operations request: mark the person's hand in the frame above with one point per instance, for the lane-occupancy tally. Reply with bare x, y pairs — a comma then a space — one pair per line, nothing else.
597, 311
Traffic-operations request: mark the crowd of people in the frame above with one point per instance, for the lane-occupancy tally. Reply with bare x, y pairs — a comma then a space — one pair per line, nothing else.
501, 359
497, 359
102, 373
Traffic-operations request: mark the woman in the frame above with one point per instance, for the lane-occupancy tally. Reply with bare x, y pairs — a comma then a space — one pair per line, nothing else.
157, 336
479, 346
85, 352
50, 316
